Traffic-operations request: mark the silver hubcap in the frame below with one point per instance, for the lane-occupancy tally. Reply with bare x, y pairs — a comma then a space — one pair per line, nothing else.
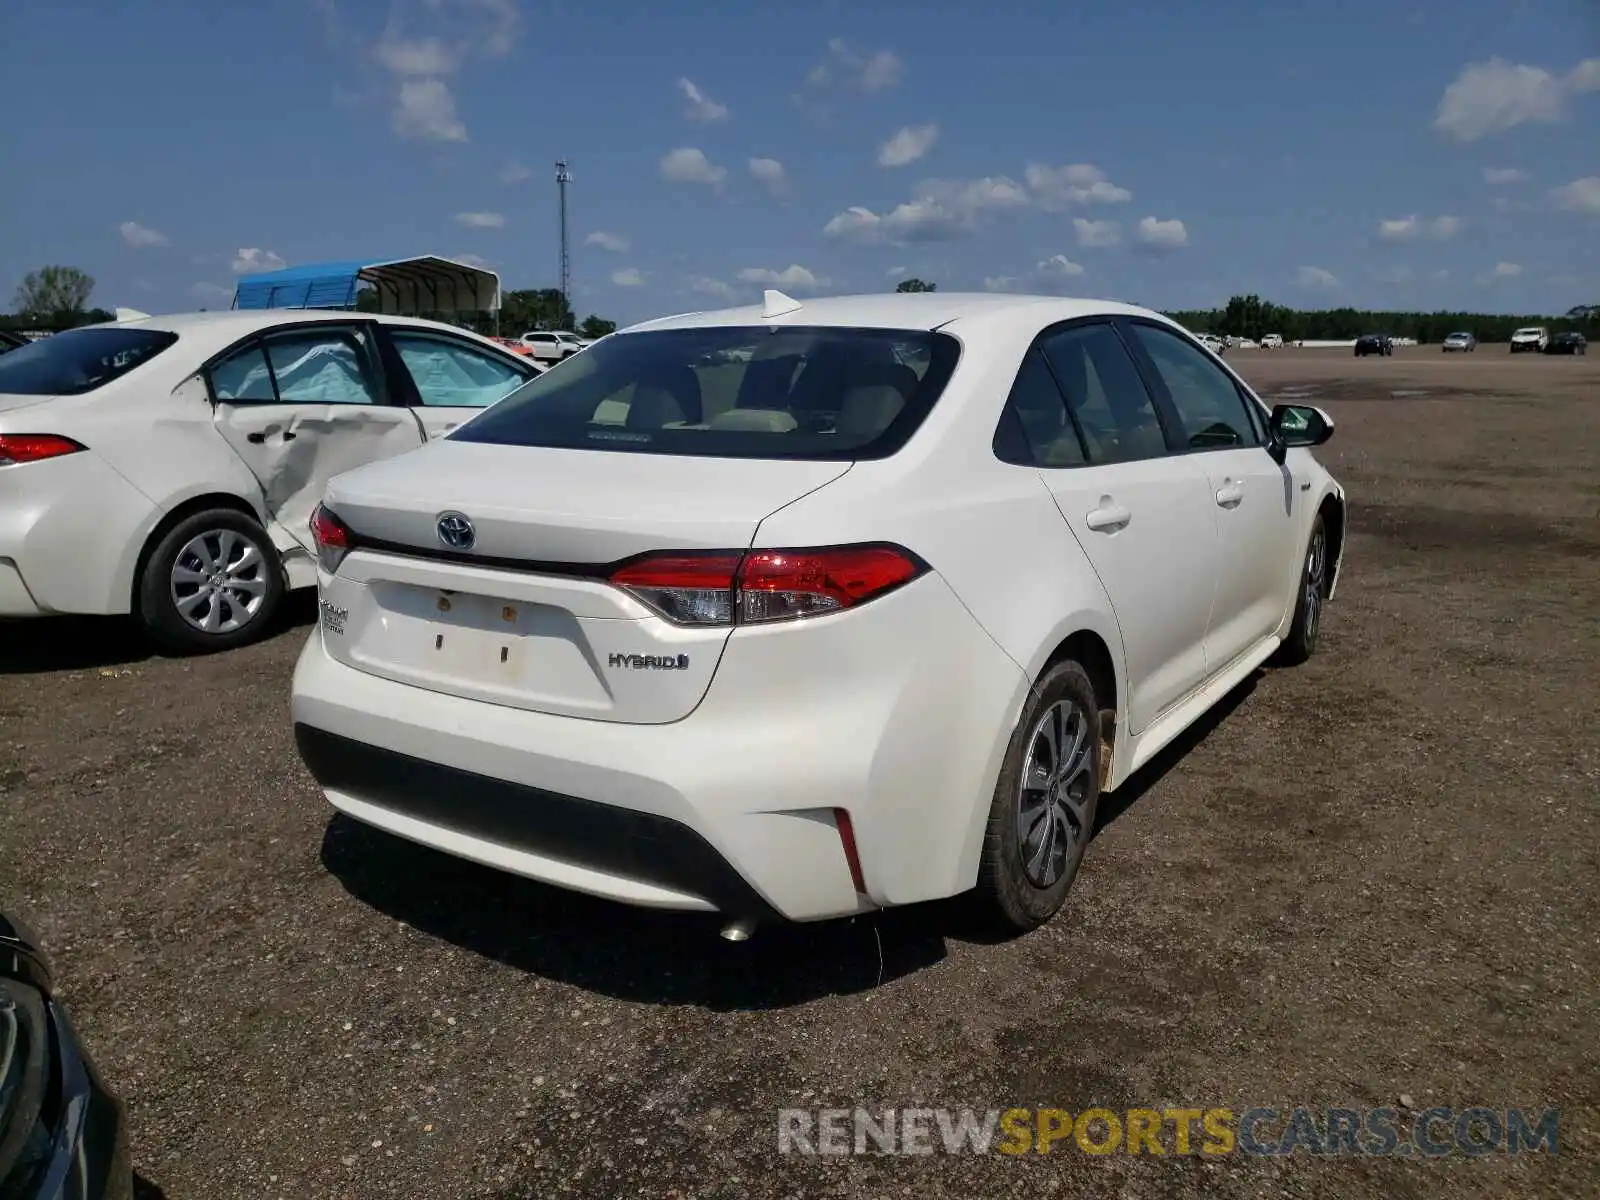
1052, 801
219, 581
1316, 572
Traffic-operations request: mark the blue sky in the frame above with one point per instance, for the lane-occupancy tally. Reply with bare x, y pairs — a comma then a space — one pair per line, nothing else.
1379, 154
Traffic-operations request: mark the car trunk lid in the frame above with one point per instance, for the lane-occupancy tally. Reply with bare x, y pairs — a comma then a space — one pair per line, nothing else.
524, 616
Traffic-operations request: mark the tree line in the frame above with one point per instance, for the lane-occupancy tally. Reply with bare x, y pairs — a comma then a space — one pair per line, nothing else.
56, 298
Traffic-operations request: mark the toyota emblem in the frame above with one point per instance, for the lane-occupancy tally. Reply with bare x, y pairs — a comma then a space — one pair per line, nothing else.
456, 531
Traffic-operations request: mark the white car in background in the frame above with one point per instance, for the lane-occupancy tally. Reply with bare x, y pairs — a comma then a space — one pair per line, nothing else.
167, 466
1531, 339
550, 346
808, 631
1272, 341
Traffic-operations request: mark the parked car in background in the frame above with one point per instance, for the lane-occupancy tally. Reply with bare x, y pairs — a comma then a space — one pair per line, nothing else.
167, 467
1374, 343
1571, 342
1459, 342
1272, 341
1532, 338
11, 341
551, 346
807, 632
63, 1134
516, 346
1211, 342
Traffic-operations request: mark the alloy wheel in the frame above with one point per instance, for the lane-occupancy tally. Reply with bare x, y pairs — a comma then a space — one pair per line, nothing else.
219, 581
1054, 795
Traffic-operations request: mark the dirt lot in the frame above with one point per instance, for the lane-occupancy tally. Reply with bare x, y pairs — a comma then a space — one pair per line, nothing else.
1370, 877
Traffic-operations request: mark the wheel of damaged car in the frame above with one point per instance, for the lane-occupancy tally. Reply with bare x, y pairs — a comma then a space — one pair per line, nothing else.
1043, 810
212, 582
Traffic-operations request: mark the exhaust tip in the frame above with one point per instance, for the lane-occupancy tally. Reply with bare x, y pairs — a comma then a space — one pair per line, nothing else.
738, 931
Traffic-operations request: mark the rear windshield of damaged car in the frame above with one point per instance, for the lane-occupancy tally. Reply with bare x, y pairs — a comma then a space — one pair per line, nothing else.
79, 360
731, 392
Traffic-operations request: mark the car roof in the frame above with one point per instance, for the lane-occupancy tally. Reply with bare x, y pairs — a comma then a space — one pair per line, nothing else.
237, 323
901, 310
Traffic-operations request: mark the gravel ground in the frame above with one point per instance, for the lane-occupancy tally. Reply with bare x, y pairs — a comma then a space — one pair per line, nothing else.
1367, 878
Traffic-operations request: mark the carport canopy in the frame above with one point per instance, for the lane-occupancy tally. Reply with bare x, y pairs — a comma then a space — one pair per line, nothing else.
403, 286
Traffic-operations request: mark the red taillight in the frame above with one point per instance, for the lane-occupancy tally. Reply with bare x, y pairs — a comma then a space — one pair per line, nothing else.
852, 856
332, 536
33, 447
729, 588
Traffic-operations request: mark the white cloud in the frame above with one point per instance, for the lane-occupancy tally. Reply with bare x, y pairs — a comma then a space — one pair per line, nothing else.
481, 220
139, 236
1316, 277
1056, 188
896, 273
1161, 235
426, 111
1097, 234
701, 106
628, 277
792, 276
1505, 270
1000, 283
416, 57
1056, 268
1581, 195
422, 63
845, 67
940, 210
688, 165
473, 260
250, 258
210, 291
515, 172
707, 286
769, 173
1404, 229
1493, 96
613, 242
908, 145
1502, 175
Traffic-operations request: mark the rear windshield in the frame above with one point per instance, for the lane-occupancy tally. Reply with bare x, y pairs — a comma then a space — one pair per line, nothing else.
80, 360
731, 392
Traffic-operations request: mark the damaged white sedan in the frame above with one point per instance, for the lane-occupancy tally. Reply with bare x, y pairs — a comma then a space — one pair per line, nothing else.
167, 466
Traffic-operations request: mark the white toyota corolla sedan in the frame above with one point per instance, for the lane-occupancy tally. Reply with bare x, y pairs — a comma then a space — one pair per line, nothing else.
168, 466
804, 610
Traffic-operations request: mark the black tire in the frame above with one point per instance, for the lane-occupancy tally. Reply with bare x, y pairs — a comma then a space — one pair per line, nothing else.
1010, 897
158, 594
1301, 641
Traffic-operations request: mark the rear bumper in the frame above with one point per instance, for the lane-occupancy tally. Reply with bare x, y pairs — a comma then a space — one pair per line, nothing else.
732, 808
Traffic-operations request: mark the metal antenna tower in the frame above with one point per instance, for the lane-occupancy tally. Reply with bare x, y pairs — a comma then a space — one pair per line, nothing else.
564, 177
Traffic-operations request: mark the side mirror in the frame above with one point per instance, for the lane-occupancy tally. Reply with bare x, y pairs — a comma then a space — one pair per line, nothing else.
1300, 425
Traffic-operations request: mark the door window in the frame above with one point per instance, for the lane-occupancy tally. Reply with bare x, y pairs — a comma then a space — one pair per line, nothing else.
1212, 412
451, 374
1106, 397
320, 366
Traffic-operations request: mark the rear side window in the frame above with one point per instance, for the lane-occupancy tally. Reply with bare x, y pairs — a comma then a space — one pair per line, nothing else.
328, 365
809, 392
80, 360
1105, 394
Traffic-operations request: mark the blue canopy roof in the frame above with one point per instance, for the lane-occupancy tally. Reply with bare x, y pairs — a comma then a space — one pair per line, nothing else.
407, 285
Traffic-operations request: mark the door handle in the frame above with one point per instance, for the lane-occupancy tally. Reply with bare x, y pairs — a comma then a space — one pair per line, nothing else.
259, 438
1109, 517
1230, 494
